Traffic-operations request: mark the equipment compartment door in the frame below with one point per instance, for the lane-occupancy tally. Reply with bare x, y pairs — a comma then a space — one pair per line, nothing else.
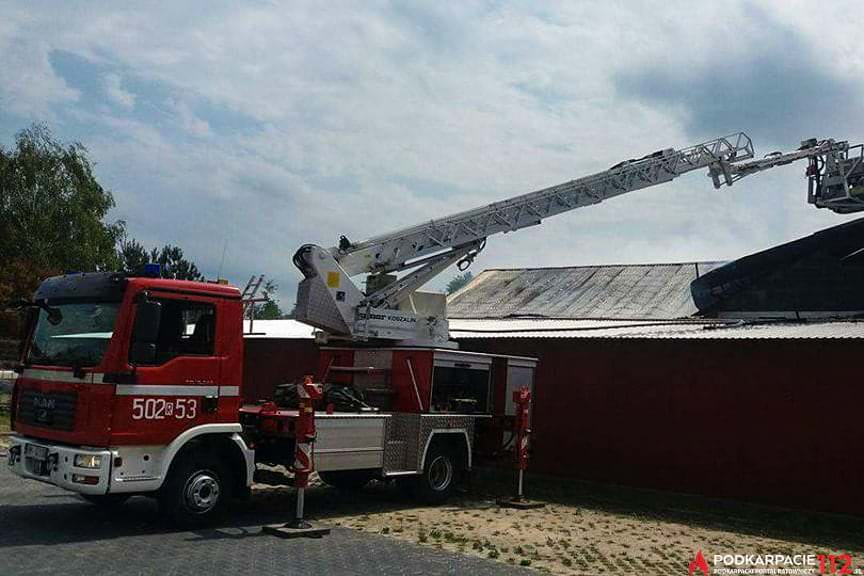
349, 442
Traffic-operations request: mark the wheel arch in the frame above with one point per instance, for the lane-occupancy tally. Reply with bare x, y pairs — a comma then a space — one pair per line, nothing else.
457, 438
227, 443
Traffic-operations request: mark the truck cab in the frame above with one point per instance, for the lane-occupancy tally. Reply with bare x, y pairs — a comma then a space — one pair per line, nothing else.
119, 375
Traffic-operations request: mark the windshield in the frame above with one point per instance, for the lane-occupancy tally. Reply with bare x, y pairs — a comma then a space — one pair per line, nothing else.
72, 334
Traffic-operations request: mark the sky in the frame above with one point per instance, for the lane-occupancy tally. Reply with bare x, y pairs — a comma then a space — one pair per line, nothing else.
251, 128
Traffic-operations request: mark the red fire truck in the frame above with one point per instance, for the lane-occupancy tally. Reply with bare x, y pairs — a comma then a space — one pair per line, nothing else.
133, 384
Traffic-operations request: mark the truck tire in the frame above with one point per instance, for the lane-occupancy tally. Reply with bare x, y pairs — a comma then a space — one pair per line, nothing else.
196, 492
107, 501
347, 480
439, 476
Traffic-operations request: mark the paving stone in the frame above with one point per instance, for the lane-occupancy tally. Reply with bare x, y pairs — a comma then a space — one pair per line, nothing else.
45, 530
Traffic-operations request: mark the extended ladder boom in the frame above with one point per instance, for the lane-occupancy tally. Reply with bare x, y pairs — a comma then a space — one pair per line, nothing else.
389, 252
329, 300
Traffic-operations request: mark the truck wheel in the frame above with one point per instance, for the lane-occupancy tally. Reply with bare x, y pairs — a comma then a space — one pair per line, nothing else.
347, 480
106, 500
436, 483
196, 492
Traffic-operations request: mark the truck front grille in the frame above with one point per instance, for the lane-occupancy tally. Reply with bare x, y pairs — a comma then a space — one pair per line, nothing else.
47, 409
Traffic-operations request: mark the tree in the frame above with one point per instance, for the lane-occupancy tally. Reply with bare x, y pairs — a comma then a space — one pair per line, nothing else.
174, 265
459, 281
269, 310
51, 206
52, 215
133, 257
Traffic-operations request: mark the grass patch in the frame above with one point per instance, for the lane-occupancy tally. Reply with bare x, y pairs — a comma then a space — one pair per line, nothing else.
4, 412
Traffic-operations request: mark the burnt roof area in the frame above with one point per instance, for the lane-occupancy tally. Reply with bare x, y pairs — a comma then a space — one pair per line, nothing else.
820, 276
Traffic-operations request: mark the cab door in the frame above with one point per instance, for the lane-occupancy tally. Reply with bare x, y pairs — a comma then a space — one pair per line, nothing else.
176, 384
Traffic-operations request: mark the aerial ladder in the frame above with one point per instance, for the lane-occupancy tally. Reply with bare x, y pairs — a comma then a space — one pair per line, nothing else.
392, 309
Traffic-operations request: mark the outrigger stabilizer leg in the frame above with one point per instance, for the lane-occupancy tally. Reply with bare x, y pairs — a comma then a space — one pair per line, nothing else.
307, 392
522, 399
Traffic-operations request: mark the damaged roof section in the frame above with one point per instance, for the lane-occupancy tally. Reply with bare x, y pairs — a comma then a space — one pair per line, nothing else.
821, 274
620, 292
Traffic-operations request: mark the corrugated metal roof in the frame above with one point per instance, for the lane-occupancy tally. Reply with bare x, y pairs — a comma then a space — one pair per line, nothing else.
642, 291
461, 329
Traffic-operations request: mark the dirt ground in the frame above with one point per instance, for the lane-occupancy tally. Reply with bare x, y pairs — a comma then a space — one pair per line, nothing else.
588, 529
4, 419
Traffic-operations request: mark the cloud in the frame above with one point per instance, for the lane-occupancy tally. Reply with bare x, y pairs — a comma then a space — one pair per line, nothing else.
29, 87
781, 89
269, 125
116, 93
189, 121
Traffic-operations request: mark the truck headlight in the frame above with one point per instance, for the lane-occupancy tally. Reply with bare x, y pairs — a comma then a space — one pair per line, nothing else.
88, 461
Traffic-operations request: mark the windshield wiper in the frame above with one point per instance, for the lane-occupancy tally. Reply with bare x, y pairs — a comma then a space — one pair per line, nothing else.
54, 314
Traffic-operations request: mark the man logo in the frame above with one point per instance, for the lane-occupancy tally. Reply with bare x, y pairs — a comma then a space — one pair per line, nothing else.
699, 563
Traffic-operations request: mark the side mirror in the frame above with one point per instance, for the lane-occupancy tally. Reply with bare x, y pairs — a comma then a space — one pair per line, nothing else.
148, 317
54, 316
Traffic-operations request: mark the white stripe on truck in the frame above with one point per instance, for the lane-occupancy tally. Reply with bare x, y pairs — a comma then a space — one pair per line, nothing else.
158, 390
132, 389
229, 390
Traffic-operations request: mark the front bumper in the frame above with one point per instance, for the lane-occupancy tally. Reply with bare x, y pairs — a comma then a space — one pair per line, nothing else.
58, 468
